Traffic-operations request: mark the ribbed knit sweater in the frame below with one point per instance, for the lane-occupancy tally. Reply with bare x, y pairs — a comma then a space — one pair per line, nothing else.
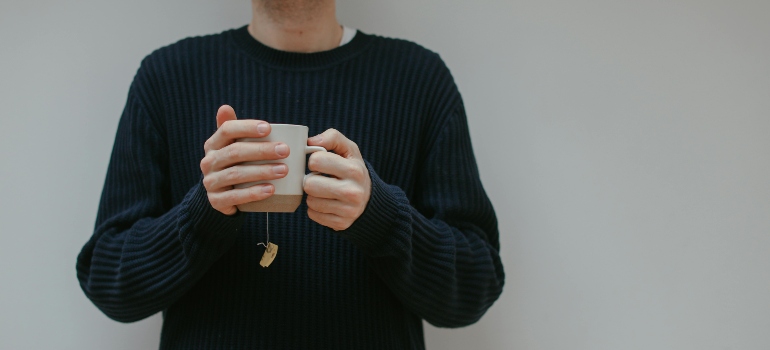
425, 248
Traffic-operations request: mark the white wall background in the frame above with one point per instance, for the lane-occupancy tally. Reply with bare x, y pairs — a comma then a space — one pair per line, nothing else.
633, 191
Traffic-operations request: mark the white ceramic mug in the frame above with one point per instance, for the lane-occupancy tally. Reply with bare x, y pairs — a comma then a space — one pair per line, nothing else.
289, 189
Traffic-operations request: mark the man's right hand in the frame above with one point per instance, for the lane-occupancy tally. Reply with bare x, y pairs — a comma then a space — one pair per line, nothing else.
222, 166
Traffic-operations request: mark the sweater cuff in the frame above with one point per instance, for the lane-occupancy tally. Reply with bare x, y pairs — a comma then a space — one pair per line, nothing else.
205, 233
382, 229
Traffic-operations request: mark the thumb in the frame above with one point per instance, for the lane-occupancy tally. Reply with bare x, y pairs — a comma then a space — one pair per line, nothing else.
335, 141
224, 114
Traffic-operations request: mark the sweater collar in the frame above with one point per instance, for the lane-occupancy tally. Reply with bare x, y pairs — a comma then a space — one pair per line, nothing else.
295, 60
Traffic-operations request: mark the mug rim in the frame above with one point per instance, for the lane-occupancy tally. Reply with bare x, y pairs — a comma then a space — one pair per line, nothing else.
280, 124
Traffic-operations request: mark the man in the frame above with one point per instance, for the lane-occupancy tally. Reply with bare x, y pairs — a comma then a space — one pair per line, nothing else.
399, 231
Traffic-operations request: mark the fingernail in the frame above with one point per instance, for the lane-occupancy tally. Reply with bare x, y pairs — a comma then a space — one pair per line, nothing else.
279, 169
267, 189
282, 150
316, 139
262, 128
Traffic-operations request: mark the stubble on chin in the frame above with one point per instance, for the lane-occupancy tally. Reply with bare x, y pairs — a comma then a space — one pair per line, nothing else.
295, 10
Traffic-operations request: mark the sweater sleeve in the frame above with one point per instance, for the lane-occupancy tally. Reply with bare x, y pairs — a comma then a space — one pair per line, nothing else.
145, 253
438, 254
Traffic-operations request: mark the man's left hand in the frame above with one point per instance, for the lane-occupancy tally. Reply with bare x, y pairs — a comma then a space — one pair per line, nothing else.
336, 202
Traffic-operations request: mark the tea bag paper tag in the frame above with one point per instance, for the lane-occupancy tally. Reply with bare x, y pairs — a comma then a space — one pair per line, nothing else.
269, 255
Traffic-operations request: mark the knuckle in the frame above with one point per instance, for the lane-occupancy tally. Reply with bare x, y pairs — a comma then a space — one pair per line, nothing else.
354, 171
359, 195
346, 212
233, 174
232, 152
215, 201
352, 193
225, 130
347, 193
361, 173
207, 145
208, 182
206, 164
257, 193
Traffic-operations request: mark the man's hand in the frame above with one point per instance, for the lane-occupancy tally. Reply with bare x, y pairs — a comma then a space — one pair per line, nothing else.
222, 166
336, 202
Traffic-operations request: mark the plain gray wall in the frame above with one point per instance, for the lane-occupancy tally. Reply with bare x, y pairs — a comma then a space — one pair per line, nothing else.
624, 145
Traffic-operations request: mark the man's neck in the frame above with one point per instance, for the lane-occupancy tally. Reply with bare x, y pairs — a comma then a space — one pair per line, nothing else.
296, 25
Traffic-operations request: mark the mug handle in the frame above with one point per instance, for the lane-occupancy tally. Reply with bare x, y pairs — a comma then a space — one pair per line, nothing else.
308, 150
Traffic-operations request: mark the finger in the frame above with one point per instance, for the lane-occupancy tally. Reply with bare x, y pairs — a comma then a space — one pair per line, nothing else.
331, 206
332, 221
240, 174
238, 196
230, 130
240, 152
336, 165
335, 141
331, 188
225, 113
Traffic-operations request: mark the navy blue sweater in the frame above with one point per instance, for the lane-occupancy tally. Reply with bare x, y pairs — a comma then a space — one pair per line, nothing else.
426, 247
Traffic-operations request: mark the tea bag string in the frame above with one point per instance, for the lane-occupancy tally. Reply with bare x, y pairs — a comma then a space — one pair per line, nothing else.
270, 248
267, 231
